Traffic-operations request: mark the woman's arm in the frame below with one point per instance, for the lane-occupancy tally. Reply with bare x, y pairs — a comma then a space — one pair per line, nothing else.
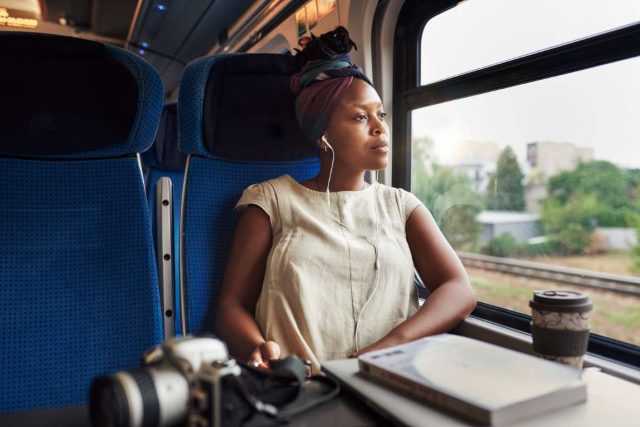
451, 298
241, 286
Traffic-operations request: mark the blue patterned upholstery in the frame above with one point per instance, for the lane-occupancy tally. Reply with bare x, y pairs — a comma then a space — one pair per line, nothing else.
191, 104
78, 281
164, 159
234, 110
94, 100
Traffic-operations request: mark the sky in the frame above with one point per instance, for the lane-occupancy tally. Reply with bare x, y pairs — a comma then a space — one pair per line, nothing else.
597, 108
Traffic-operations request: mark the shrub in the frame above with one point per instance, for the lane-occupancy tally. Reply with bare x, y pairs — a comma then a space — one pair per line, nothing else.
634, 219
598, 244
550, 246
574, 239
503, 245
635, 256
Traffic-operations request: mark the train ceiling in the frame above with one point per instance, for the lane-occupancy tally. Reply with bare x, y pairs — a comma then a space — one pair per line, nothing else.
167, 33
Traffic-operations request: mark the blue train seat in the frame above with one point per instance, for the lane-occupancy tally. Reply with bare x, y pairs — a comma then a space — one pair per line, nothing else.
164, 159
78, 282
237, 124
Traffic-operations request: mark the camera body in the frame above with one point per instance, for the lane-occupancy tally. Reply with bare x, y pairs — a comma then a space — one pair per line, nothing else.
185, 381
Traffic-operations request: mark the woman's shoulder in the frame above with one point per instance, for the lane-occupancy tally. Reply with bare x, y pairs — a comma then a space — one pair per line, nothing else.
272, 190
264, 194
405, 201
273, 182
389, 191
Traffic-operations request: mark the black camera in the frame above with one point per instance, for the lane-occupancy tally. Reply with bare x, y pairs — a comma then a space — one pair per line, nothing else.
185, 381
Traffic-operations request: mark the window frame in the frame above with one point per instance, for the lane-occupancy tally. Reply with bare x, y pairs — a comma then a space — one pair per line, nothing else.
408, 95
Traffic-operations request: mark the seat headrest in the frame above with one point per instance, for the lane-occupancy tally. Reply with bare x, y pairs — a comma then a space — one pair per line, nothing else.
164, 154
239, 107
65, 97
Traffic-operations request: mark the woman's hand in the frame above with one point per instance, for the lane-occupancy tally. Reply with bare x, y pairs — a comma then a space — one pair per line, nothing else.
388, 340
264, 352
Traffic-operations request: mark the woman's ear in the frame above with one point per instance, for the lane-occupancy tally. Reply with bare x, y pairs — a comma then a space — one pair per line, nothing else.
325, 143
321, 144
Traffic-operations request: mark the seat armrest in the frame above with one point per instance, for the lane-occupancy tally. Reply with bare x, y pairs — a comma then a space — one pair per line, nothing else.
165, 253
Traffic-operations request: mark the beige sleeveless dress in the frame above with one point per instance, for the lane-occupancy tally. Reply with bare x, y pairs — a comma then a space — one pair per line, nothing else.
321, 268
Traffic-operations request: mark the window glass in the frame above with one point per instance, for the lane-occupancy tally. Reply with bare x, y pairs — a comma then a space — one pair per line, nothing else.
312, 14
301, 21
307, 17
547, 172
324, 7
479, 33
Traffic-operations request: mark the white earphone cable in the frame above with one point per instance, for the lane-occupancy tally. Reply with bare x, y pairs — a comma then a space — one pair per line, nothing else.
376, 245
377, 281
333, 157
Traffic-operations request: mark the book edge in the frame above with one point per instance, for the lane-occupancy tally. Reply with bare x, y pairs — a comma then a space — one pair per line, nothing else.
425, 393
567, 396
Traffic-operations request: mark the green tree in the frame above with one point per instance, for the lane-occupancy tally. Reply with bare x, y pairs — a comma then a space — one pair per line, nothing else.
634, 218
570, 223
613, 187
633, 188
594, 194
580, 209
505, 190
448, 195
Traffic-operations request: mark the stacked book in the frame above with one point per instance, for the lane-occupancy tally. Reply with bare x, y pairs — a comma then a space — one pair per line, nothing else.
481, 382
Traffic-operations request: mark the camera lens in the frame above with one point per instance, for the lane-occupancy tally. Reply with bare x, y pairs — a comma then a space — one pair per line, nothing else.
124, 399
108, 403
156, 396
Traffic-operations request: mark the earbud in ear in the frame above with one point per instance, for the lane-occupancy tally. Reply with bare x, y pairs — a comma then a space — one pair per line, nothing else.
324, 139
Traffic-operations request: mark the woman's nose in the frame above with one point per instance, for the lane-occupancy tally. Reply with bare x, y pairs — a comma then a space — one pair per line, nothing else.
378, 127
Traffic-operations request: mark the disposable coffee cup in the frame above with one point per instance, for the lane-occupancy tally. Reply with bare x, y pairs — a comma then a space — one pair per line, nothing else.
560, 325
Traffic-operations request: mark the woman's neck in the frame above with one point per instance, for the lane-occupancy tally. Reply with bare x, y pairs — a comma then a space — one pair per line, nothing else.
340, 180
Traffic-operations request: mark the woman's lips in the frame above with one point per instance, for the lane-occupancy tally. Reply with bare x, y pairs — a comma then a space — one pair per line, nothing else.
381, 148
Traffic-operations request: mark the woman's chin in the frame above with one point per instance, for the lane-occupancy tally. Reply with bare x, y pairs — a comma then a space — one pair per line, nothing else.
379, 165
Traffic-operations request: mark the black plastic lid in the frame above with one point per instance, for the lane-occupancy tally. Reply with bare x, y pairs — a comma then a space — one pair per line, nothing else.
562, 301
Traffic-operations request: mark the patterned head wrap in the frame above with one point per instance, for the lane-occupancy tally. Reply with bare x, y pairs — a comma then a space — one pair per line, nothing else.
321, 83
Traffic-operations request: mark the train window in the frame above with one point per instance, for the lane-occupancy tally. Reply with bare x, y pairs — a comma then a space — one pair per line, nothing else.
485, 166
529, 166
307, 17
473, 34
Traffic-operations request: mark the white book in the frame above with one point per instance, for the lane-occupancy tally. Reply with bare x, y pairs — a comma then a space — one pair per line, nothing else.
481, 382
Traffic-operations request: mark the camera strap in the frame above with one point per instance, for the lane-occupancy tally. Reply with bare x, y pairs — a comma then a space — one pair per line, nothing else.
333, 388
286, 385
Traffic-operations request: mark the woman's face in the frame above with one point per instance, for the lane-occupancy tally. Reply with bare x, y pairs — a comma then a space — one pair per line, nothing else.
357, 130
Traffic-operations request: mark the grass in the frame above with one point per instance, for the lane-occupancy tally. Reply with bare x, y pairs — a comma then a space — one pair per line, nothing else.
613, 262
616, 316
499, 290
628, 317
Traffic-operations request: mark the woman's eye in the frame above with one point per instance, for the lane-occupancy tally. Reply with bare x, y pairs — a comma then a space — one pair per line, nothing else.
360, 117
382, 115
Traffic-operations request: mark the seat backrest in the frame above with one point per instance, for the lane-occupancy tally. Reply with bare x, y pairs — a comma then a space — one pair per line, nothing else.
78, 281
236, 121
164, 159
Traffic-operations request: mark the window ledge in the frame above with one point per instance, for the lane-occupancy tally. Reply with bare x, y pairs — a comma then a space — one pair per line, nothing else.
515, 340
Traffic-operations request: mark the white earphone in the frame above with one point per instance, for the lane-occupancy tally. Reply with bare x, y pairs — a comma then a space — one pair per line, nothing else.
324, 139
376, 245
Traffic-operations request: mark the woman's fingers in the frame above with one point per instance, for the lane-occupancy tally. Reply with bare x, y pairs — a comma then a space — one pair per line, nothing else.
256, 360
269, 350
266, 351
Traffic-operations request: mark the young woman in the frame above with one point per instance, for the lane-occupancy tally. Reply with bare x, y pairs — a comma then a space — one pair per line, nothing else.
324, 268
